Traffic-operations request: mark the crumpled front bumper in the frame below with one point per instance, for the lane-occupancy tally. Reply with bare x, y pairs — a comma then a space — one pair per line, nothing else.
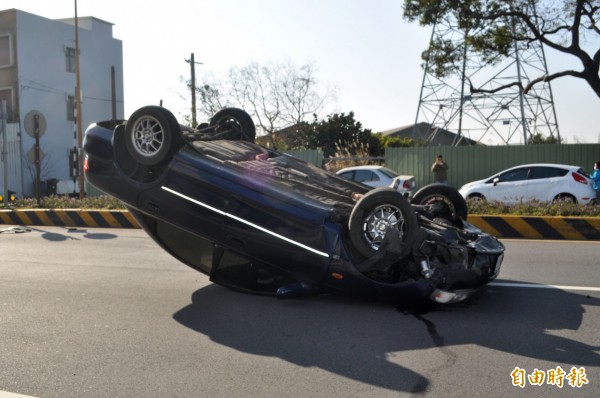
455, 266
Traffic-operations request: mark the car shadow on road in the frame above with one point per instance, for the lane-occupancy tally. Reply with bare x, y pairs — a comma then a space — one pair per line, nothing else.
361, 340
530, 322
69, 234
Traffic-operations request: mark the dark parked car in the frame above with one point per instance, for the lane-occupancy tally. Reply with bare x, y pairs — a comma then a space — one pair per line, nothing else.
260, 221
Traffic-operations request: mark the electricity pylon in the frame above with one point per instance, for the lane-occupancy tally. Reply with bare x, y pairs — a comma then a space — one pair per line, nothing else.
504, 117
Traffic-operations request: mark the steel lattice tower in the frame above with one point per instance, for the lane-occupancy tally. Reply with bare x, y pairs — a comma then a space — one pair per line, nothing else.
501, 118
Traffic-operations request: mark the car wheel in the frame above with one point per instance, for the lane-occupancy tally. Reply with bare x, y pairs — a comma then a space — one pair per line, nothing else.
152, 135
442, 201
376, 212
234, 124
564, 198
476, 197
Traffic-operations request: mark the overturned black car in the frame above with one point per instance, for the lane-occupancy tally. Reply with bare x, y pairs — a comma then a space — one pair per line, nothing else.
264, 222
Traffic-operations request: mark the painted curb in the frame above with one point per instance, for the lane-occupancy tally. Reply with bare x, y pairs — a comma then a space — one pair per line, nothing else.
69, 218
531, 227
514, 227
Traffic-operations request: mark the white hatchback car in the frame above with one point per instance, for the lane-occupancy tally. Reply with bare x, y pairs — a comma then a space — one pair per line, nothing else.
379, 176
544, 182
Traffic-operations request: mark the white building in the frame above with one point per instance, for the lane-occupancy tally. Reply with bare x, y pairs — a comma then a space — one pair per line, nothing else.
38, 80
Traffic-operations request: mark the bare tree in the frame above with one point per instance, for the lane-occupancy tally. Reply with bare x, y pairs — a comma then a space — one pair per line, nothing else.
259, 90
302, 100
211, 97
276, 95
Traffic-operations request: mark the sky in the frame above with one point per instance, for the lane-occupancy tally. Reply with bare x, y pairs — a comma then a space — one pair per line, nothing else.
363, 48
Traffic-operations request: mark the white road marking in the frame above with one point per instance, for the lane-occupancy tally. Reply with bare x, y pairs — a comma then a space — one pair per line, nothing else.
6, 394
536, 286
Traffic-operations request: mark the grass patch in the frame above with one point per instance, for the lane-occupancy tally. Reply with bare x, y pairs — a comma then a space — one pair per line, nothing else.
533, 208
103, 202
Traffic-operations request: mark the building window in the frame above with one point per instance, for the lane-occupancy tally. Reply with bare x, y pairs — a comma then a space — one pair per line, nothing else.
70, 53
6, 56
71, 108
6, 95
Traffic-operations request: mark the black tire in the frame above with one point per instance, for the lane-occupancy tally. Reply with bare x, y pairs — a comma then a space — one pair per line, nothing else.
152, 136
565, 198
442, 201
234, 124
476, 197
376, 212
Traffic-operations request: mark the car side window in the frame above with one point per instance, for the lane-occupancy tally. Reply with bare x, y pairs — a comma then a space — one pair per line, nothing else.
514, 175
546, 172
190, 248
365, 175
348, 174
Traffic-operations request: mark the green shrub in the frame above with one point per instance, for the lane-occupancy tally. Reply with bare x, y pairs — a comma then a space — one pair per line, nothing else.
64, 202
534, 208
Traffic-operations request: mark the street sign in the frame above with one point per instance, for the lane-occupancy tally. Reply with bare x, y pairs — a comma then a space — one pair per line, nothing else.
31, 154
35, 123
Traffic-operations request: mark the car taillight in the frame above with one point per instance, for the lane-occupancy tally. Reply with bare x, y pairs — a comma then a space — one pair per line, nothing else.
579, 178
86, 164
406, 184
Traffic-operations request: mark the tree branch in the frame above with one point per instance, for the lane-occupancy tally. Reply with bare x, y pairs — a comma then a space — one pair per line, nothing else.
590, 16
549, 78
529, 86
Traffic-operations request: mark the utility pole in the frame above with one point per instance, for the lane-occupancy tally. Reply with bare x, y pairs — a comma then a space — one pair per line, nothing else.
113, 93
193, 87
78, 105
3, 115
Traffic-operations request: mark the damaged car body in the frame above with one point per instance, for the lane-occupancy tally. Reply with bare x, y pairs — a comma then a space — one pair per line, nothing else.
261, 221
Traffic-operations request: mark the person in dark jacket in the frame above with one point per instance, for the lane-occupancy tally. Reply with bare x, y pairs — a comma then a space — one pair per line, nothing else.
439, 170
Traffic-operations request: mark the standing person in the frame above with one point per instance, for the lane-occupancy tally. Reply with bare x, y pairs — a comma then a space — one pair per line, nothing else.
595, 176
439, 170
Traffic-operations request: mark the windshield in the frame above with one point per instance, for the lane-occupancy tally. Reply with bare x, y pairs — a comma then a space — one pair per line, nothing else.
388, 172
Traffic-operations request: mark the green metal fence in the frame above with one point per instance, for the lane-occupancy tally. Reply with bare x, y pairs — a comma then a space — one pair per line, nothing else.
314, 156
476, 162
470, 163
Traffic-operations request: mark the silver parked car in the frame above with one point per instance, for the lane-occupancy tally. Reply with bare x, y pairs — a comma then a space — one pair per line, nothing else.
379, 176
545, 182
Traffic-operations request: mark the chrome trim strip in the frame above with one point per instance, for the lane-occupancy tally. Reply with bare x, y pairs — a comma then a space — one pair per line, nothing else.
233, 217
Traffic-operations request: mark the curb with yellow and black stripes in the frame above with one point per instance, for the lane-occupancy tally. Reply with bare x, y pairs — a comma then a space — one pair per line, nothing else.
69, 218
530, 227
514, 227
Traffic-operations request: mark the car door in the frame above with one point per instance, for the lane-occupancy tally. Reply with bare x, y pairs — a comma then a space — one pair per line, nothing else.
509, 186
545, 182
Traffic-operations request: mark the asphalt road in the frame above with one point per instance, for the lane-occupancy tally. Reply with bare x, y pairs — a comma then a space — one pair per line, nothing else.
107, 313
